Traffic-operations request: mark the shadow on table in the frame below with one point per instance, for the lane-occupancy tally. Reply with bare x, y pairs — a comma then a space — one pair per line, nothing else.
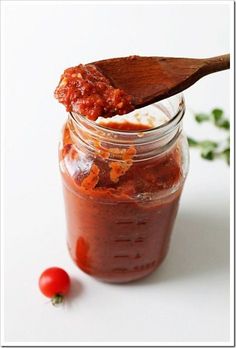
199, 245
75, 291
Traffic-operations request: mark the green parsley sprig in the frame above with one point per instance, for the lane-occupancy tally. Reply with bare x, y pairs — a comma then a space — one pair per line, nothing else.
210, 149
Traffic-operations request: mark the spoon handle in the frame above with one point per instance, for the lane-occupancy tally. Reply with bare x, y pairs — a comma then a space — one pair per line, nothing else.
211, 65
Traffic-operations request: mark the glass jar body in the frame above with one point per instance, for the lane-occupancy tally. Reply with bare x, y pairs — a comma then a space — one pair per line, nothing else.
120, 210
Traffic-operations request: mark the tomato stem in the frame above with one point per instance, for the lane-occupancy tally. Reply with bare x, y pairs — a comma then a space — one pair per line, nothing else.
57, 299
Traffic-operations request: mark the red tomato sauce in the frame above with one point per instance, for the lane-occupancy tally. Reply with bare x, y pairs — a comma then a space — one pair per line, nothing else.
124, 126
85, 90
117, 231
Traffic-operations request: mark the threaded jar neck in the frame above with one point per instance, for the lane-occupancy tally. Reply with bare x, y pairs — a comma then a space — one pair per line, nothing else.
148, 143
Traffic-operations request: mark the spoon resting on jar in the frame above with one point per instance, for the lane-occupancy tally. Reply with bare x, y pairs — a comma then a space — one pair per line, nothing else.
119, 85
122, 189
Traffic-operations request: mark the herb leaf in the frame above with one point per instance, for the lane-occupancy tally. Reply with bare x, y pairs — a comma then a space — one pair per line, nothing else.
223, 124
202, 118
192, 142
219, 120
207, 153
217, 114
210, 149
226, 155
208, 144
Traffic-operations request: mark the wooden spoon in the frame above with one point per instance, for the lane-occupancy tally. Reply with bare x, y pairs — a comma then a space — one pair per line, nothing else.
150, 79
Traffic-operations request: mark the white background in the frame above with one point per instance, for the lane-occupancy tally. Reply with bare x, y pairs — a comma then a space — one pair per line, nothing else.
187, 299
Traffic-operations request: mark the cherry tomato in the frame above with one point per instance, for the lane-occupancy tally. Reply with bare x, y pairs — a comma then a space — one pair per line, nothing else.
54, 282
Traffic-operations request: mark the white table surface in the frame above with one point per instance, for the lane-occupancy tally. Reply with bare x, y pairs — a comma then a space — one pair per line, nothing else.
187, 299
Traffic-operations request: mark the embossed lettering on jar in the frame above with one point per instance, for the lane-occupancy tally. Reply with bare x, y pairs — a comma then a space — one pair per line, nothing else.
122, 191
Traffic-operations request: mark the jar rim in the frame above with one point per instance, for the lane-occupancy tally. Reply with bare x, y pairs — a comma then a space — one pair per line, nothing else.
179, 113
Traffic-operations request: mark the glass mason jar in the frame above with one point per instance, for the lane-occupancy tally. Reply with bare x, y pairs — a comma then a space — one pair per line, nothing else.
122, 191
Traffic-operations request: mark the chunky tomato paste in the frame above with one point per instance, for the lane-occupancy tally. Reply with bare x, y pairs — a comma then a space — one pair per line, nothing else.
120, 213
85, 90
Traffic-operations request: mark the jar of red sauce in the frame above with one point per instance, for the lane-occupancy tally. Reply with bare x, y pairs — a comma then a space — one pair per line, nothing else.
122, 190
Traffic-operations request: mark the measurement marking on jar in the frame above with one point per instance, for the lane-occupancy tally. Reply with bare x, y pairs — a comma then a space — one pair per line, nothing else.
124, 222
118, 270
139, 240
120, 256
123, 240
141, 222
145, 266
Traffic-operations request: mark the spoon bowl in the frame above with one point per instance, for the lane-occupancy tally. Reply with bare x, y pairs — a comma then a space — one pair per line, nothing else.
150, 79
